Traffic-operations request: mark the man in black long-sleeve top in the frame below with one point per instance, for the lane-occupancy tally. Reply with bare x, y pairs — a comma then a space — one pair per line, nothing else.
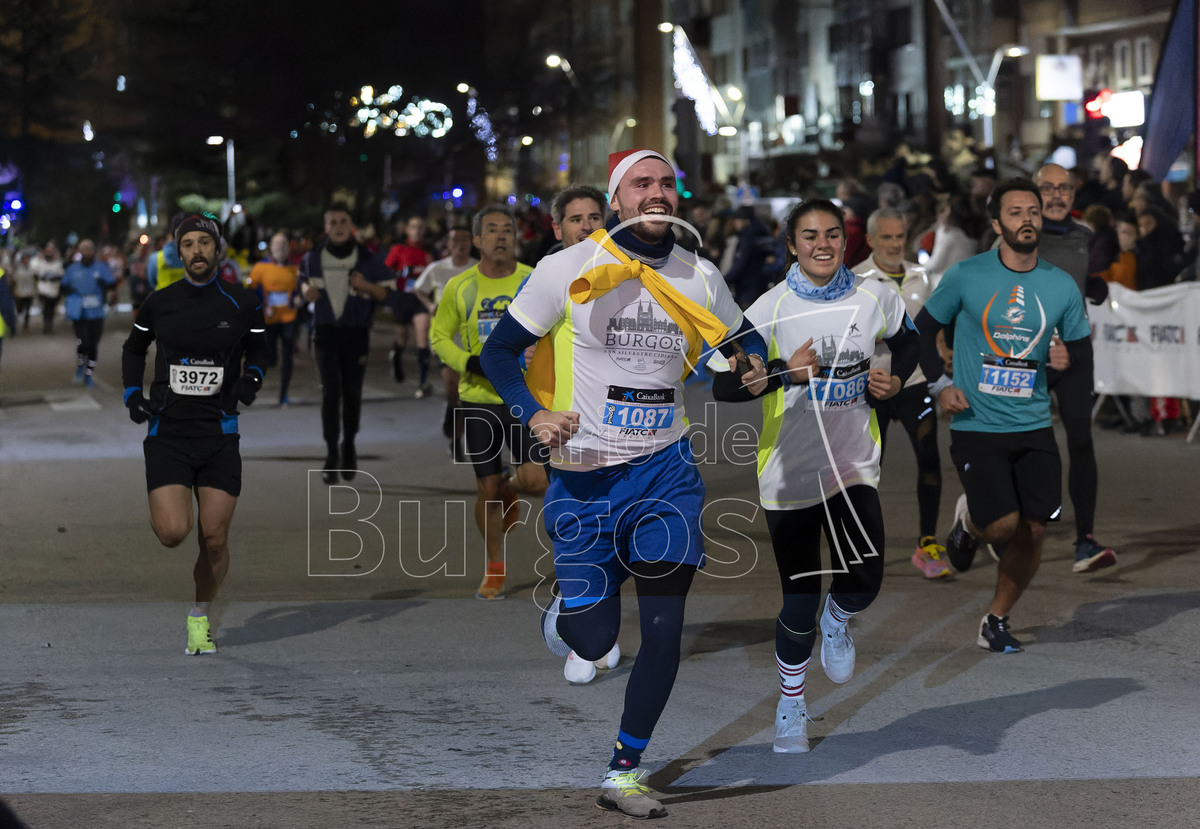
345, 282
211, 349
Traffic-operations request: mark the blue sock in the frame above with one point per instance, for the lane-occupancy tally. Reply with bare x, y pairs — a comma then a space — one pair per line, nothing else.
627, 753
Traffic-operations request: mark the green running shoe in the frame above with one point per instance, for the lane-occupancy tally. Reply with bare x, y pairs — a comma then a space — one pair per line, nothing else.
199, 640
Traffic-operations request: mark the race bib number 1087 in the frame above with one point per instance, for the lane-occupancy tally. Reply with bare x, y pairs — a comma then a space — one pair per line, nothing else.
640, 409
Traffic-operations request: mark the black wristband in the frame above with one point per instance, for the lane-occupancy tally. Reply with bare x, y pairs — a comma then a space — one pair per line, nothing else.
778, 368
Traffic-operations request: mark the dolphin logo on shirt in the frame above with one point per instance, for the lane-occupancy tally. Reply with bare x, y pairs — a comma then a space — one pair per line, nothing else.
1016, 309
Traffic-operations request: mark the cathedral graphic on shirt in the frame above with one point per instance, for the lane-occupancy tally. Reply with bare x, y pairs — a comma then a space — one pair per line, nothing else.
644, 320
829, 353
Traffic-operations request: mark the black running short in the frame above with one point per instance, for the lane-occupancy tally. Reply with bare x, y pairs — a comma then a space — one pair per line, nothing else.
405, 306
487, 428
1008, 472
212, 461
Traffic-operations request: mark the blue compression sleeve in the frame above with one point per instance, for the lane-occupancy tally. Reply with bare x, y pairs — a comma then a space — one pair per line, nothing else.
752, 342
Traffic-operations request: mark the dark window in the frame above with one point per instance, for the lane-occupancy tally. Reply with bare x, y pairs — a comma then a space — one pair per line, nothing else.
899, 27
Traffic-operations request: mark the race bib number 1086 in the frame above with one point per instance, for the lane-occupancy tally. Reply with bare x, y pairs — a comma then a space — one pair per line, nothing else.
839, 387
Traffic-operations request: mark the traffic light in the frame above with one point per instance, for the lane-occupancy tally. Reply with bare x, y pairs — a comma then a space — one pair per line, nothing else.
1095, 103
116, 208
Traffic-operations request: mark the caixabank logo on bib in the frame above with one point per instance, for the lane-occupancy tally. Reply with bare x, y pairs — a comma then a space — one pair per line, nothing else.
489, 313
642, 338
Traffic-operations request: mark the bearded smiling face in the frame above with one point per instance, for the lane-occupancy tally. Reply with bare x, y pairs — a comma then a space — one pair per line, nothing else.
646, 191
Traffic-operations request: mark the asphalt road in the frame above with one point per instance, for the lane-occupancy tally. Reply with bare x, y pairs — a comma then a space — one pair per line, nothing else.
359, 683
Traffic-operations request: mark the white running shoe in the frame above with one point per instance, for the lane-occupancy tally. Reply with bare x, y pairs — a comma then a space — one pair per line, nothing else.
550, 628
578, 670
791, 726
610, 659
837, 648
623, 791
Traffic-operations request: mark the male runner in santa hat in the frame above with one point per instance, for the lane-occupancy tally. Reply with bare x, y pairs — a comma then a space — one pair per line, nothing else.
624, 316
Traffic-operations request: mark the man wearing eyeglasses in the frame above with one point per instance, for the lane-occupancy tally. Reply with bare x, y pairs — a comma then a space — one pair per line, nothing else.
1064, 243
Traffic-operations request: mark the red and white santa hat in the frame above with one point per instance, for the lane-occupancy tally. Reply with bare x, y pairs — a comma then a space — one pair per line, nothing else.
619, 164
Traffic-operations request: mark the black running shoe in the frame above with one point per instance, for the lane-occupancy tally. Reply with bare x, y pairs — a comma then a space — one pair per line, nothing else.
994, 635
960, 544
1091, 555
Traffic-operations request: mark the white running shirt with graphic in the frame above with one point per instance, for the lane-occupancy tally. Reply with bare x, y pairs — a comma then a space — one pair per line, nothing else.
619, 359
822, 437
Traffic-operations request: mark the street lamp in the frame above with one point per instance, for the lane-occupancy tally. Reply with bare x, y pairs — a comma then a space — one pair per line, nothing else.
216, 140
732, 119
558, 61
987, 90
615, 143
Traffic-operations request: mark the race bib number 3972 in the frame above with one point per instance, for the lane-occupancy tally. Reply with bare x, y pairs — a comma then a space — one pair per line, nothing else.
196, 380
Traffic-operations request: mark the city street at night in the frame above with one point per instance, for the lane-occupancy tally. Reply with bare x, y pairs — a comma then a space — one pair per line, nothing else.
285, 597
389, 696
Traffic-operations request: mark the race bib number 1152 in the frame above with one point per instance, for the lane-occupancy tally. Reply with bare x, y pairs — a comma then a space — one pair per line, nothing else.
1007, 376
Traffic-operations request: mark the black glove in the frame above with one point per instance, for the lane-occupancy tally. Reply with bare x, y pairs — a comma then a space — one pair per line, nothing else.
246, 388
1096, 290
475, 366
139, 408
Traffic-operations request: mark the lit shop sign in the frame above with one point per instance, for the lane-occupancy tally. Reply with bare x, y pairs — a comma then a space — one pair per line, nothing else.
1059, 78
1122, 109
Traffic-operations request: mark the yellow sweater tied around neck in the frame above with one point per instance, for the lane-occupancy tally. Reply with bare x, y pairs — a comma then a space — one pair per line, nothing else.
697, 322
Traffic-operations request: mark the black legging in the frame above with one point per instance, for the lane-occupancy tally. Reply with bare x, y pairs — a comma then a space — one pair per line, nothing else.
87, 341
914, 408
856, 559
341, 355
24, 309
49, 309
281, 342
591, 632
1073, 388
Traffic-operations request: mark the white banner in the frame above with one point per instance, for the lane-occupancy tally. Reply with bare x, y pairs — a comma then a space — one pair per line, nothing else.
1148, 342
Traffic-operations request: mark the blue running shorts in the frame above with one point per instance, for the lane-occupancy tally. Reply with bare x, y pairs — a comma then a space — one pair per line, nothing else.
602, 519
